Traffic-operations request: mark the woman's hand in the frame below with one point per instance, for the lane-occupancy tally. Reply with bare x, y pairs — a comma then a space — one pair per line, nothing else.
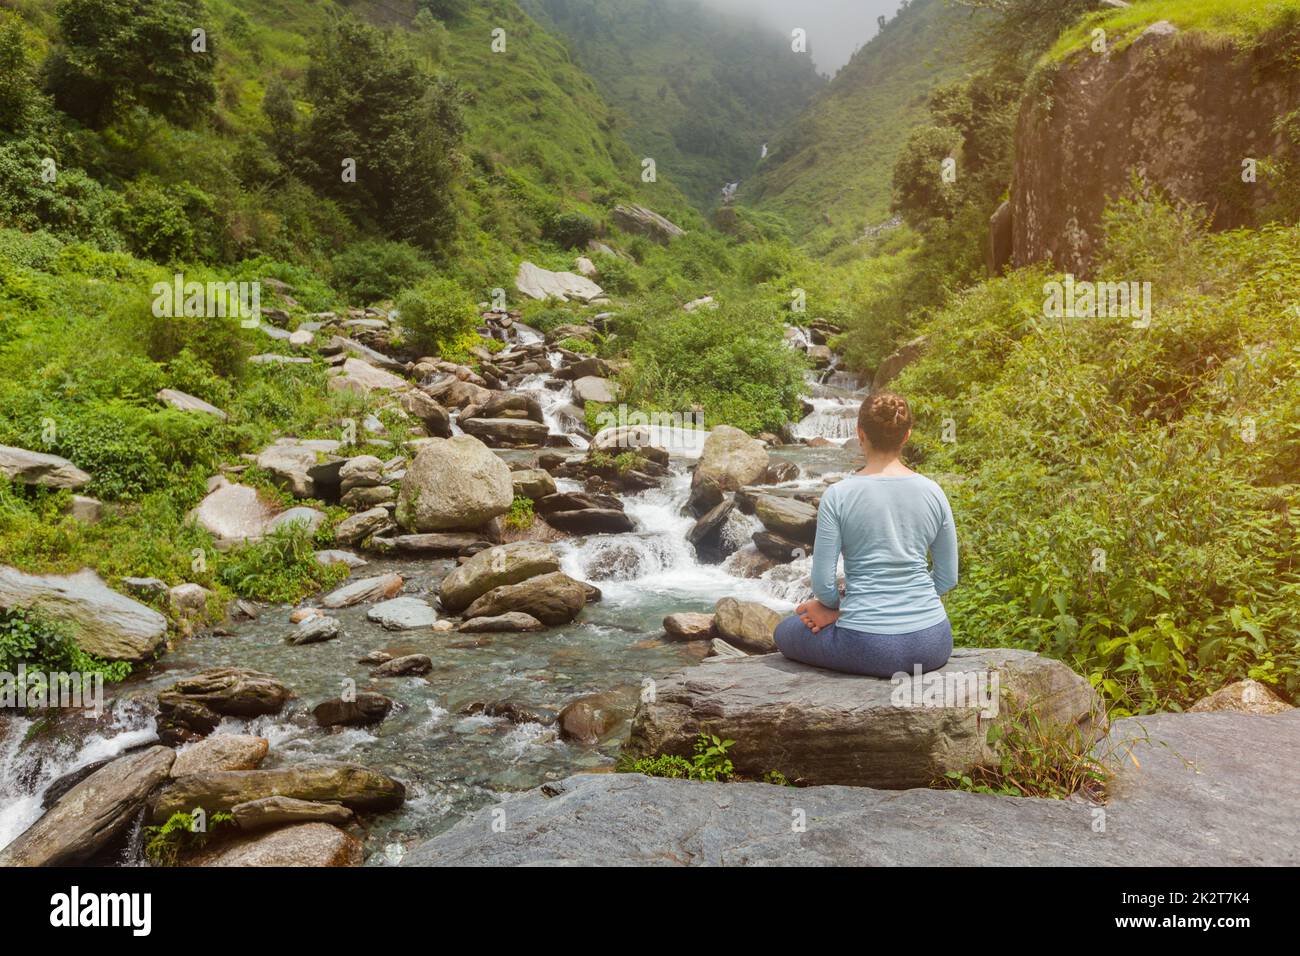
816, 615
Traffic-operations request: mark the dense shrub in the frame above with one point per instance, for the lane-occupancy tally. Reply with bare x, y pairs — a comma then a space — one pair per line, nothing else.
733, 362
374, 269
570, 229
435, 314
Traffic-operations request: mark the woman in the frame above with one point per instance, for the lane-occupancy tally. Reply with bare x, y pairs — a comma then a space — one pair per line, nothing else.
885, 520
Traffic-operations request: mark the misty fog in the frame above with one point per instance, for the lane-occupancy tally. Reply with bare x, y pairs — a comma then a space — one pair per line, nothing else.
835, 27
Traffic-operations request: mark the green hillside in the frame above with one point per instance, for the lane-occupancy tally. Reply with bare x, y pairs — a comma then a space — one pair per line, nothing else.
700, 92
835, 164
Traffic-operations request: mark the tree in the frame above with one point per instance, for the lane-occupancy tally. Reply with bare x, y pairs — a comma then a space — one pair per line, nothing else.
376, 112
921, 191
21, 102
122, 53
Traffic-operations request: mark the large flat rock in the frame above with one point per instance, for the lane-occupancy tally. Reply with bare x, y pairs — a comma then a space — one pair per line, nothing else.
37, 468
822, 727
103, 622
1207, 789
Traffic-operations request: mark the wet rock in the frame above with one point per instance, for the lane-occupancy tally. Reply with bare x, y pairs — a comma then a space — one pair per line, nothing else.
102, 621
188, 403
689, 626
193, 706
513, 711
356, 529
24, 467
412, 665
367, 589
303, 844
93, 814
706, 533
706, 494
493, 568
270, 812
575, 501
592, 521
588, 720
779, 548
787, 517
780, 471
354, 786
367, 708
749, 562
221, 752
514, 622
1245, 697
402, 614
532, 483
746, 624
453, 484
511, 405
552, 598
506, 432
375, 657
822, 727
731, 458
456, 393
316, 629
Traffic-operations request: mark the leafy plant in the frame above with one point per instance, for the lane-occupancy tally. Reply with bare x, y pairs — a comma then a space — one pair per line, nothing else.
165, 844
709, 763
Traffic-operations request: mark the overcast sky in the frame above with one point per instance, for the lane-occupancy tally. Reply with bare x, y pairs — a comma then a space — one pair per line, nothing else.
835, 27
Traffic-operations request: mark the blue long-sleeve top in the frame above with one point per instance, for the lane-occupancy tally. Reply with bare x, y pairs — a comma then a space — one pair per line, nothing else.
885, 526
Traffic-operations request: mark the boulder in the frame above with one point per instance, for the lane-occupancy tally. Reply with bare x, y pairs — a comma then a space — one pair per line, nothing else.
592, 388
532, 483
302, 844
402, 614
227, 691
747, 624
376, 588
588, 720
188, 403
541, 284
898, 360
85, 509
102, 621
334, 556
731, 458
575, 501
440, 543
553, 599
641, 221
362, 378
365, 499
221, 752
267, 812
1243, 696
436, 419
330, 781
93, 814
316, 629
24, 467
514, 622
706, 533
412, 665
823, 727
689, 626
592, 521
511, 405
289, 462
189, 600
787, 517
233, 514
779, 548
366, 708
453, 484
494, 567
506, 432
355, 529
309, 518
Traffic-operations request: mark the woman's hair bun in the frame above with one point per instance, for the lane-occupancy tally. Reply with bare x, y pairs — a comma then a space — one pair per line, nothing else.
885, 418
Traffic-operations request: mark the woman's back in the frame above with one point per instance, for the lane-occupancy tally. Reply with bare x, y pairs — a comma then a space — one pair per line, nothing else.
885, 526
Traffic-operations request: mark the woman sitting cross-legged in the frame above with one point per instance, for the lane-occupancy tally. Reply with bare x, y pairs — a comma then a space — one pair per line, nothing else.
886, 520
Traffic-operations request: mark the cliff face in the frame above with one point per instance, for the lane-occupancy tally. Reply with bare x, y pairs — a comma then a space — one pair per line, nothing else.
1182, 110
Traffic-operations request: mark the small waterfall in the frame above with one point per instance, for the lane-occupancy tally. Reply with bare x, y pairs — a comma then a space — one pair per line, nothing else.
27, 768
833, 418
